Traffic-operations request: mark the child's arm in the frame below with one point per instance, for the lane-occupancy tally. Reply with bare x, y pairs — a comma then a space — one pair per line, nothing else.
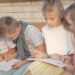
43, 54
41, 48
20, 64
55, 56
39, 54
23, 62
12, 54
61, 58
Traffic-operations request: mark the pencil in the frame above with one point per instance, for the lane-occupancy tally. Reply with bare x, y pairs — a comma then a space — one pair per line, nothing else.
66, 55
8, 53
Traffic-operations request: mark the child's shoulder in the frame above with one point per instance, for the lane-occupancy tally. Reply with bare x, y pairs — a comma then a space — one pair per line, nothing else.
31, 28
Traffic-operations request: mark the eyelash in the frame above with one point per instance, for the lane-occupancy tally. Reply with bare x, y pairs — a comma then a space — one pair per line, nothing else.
49, 18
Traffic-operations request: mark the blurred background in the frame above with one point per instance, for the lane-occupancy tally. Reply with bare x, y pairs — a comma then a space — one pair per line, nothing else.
27, 10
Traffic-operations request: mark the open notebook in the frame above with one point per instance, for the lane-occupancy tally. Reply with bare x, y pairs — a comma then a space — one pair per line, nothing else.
5, 66
49, 61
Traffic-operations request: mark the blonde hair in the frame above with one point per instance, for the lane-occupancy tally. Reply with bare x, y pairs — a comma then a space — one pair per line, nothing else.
53, 6
70, 11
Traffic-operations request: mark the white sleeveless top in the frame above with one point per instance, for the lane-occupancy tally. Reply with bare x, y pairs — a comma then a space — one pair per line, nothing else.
57, 40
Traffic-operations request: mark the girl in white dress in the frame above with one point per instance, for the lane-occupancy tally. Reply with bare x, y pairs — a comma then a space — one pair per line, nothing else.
57, 41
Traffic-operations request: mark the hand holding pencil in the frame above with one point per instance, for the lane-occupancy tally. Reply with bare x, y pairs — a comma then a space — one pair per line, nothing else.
8, 54
66, 59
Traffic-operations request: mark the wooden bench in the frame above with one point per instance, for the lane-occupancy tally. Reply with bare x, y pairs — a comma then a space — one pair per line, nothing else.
38, 25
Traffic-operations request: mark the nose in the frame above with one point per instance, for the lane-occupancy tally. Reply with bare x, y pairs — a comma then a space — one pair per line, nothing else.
48, 22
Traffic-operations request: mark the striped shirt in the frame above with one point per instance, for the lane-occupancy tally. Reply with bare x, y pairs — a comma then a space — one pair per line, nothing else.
33, 37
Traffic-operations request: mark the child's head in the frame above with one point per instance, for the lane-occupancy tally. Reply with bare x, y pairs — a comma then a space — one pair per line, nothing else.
53, 12
9, 28
69, 18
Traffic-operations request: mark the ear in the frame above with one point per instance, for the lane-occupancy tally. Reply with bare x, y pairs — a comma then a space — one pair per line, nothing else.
19, 28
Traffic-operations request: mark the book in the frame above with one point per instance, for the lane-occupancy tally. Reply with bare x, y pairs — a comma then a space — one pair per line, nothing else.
49, 61
6, 66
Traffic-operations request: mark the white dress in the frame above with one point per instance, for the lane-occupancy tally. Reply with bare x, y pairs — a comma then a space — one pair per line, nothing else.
57, 40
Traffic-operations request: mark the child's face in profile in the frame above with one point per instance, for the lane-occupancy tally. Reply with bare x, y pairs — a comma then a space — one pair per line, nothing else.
70, 23
14, 35
52, 19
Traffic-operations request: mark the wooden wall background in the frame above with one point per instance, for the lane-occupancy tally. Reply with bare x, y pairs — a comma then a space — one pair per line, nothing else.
17, 0
29, 10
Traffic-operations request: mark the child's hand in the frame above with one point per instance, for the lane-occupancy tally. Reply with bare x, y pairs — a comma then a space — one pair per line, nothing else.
56, 57
20, 64
39, 54
11, 56
67, 59
8, 58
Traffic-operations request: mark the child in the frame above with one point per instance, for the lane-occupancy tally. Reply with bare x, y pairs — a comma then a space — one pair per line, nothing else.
4, 44
57, 40
69, 24
27, 37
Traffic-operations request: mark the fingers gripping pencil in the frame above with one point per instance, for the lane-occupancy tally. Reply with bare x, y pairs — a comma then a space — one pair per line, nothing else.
8, 54
66, 55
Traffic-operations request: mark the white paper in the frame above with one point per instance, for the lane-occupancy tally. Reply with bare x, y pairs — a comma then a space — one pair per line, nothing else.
5, 66
50, 61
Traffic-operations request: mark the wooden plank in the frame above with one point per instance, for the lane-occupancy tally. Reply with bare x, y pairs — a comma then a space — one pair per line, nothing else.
13, 0
17, 0
24, 15
17, 15
19, 9
32, 20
